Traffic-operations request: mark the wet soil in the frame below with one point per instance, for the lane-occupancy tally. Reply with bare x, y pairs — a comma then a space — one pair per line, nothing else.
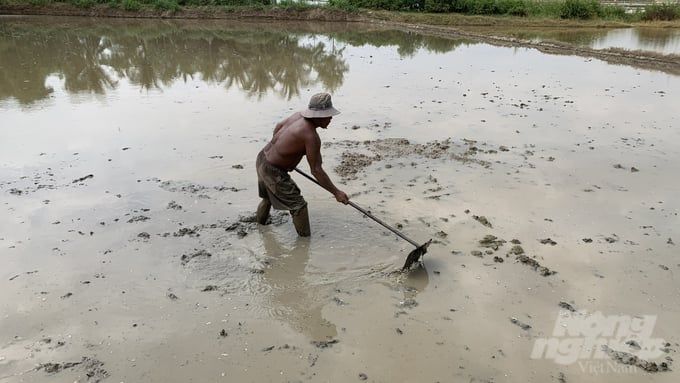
155, 270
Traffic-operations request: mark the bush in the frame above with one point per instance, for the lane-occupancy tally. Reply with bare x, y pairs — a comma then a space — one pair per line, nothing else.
613, 12
131, 5
661, 12
84, 3
438, 6
517, 8
166, 5
347, 5
580, 9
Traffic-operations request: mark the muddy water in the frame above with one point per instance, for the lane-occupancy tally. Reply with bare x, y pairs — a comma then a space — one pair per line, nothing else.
664, 41
151, 269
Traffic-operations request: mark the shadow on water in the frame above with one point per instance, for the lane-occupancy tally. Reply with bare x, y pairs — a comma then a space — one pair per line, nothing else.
255, 58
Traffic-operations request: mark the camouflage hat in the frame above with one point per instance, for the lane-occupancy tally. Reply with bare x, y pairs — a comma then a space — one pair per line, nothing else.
320, 106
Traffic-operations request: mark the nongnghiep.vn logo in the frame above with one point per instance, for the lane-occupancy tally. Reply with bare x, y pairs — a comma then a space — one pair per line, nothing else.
583, 336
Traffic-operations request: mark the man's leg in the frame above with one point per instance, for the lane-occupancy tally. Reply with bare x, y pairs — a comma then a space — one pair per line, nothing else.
265, 205
301, 221
263, 211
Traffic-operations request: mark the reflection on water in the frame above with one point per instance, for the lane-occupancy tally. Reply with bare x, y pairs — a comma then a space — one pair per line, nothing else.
93, 56
295, 300
658, 40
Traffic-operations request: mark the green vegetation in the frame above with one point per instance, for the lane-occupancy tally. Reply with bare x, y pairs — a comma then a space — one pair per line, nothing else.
665, 12
556, 9
427, 9
131, 5
164, 5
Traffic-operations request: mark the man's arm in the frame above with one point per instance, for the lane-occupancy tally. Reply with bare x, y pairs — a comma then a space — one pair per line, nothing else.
313, 153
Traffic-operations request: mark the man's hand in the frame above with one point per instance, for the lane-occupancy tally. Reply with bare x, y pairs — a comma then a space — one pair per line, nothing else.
340, 196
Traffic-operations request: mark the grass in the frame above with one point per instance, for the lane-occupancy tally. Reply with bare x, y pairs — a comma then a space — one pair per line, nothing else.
552, 9
664, 12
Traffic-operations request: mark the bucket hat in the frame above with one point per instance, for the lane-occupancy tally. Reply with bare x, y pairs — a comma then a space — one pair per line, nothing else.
320, 106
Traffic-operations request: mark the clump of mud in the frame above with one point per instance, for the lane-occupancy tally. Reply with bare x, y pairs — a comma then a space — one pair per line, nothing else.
174, 206
241, 226
192, 188
522, 325
138, 218
483, 220
186, 258
491, 242
191, 232
93, 368
630, 359
567, 306
247, 223
352, 162
544, 271
325, 343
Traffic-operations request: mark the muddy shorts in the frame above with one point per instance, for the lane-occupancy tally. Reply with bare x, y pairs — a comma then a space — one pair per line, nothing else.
276, 185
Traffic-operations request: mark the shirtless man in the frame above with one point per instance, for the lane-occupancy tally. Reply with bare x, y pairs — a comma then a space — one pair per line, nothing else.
295, 137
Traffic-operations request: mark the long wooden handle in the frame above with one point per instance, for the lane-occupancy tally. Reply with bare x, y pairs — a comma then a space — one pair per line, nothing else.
365, 212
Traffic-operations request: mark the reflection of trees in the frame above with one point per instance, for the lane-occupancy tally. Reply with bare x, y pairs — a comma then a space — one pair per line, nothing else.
91, 56
407, 43
90, 59
658, 39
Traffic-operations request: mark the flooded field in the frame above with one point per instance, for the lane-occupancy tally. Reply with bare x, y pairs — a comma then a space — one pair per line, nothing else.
127, 189
665, 41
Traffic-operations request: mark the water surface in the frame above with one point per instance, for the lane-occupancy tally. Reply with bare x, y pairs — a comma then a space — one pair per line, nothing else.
658, 40
543, 146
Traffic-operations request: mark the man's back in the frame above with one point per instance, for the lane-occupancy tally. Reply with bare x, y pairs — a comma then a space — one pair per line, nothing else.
287, 147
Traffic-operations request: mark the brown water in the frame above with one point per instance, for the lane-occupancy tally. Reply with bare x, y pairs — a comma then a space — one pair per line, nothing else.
167, 111
658, 40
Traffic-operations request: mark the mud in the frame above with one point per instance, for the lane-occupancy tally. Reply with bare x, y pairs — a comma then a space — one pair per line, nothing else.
186, 258
92, 368
630, 359
157, 268
352, 162
483, 220
491, 242
520, 324
81, 179
567, 306
544, 271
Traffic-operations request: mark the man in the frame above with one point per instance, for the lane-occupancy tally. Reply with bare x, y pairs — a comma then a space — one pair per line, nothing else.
295, 137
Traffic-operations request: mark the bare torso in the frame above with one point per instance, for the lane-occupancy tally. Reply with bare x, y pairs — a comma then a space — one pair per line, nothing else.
296, 137
287, 146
